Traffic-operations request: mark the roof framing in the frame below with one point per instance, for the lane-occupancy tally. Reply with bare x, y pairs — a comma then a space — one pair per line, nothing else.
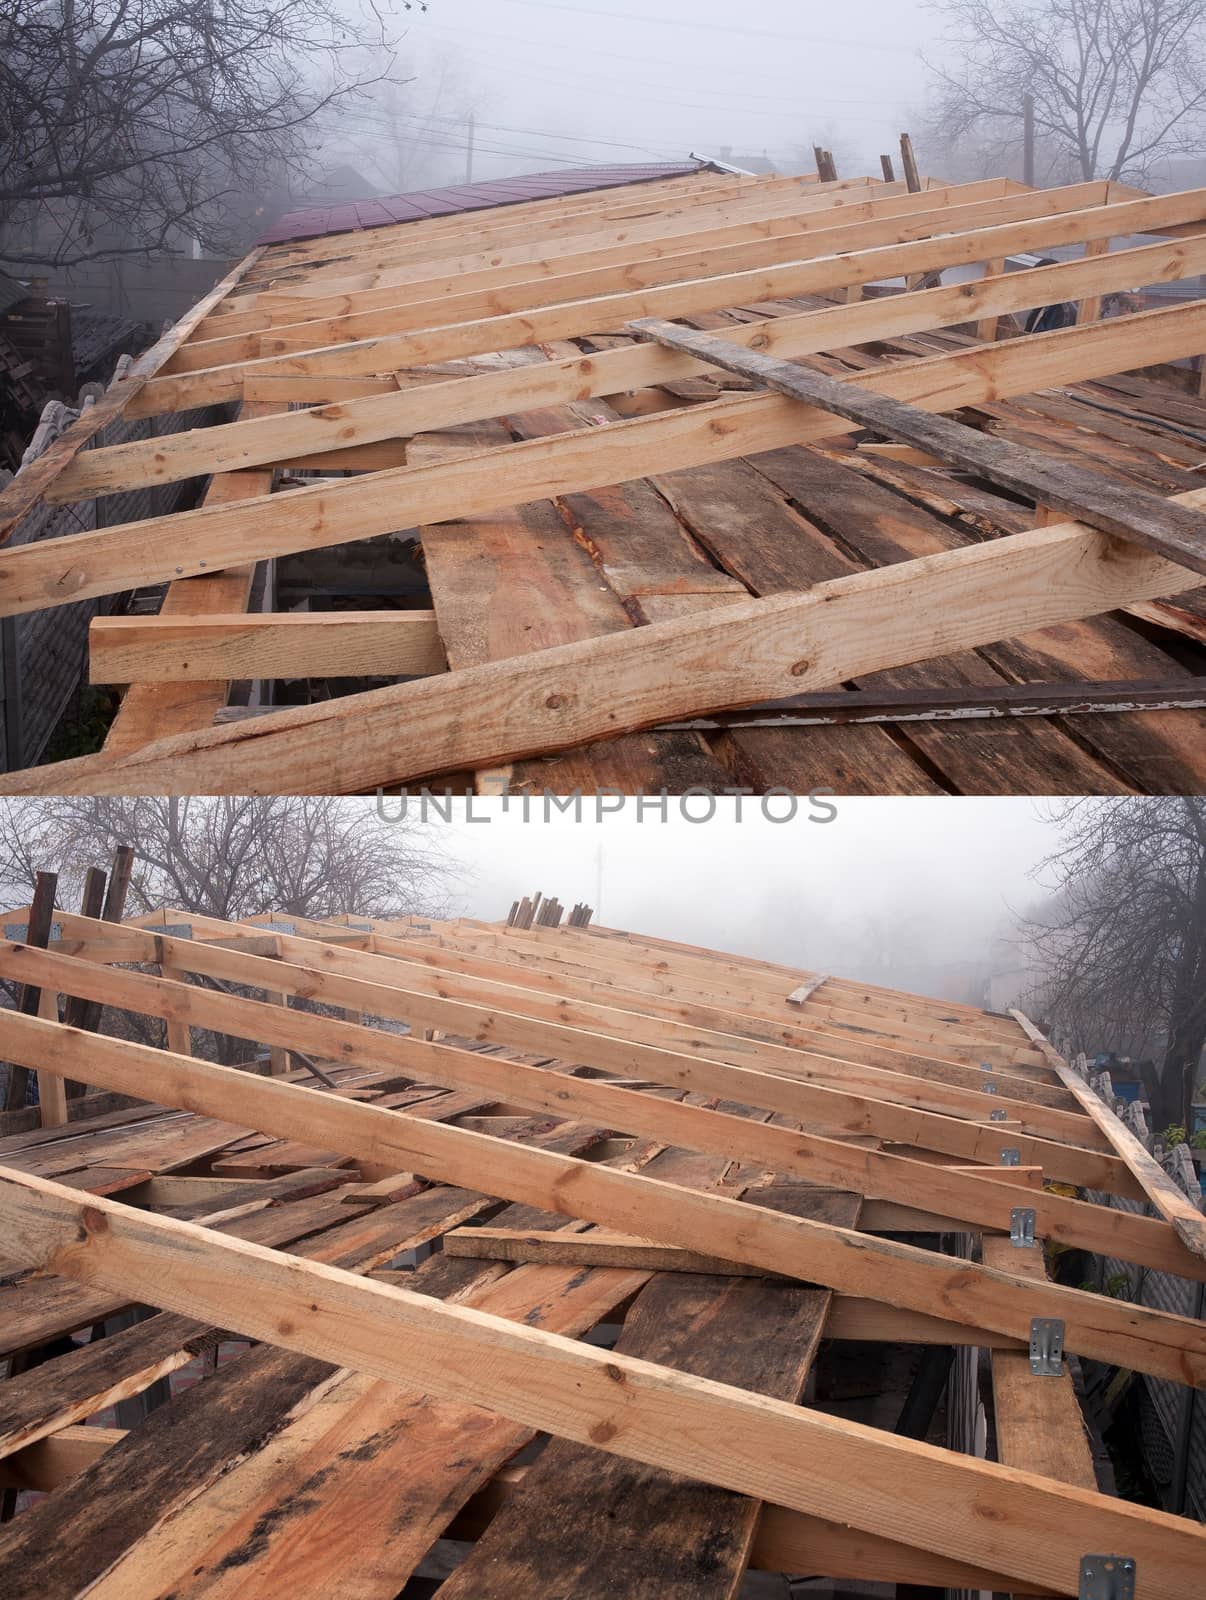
412, 353
881, 1509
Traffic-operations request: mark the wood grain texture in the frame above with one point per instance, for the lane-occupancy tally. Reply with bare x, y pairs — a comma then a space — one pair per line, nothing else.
730, 1438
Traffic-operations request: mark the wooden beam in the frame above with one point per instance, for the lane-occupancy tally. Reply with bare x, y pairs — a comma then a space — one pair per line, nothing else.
32, 483
384, 351
750, 1444
1169, 529
971, 1195
900, 1274
360, 422
37, 935
1038, 1419
293, 645
1171, 1202
557, 698
331, 976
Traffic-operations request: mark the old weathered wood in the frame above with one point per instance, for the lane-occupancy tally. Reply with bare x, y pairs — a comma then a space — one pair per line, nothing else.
1167, 1198
755, 1446
37, 934
606, 1525
1166, 528
900, 1274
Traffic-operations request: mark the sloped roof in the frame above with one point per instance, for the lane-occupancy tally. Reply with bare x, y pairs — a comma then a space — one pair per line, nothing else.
314, 221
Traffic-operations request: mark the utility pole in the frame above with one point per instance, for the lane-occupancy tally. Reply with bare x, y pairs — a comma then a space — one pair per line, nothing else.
469, 148
1028, 140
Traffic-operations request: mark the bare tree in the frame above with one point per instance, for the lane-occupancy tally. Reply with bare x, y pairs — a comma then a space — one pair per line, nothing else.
228, 858
125, 122
1117, 84
239, 856
1121, 945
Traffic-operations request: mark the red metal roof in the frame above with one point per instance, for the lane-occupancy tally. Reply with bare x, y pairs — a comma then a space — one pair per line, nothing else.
312, 222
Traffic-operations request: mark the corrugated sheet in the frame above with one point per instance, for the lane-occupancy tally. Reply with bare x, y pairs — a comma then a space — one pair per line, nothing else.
314, 222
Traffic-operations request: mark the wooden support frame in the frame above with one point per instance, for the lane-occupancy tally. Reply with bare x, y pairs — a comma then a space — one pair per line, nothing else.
1172, 531
363, 321
616, 1040
974, 1199
839, 1258
627, 1407
1170, 1201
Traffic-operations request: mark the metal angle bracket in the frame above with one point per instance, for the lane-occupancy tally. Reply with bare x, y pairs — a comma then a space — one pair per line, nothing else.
275, 927
174, 930
1011, 1157
997, 1116
1046, 1346
1107, 1578
1021, 1226
986, 1066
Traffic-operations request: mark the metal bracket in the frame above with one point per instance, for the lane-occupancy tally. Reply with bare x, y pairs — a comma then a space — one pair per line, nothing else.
1011, 1157
1021, 1226
998, 1116
18, 932
1046, 1346
986, 1066
1107, 1578
174, 930
275, 927
991, 1088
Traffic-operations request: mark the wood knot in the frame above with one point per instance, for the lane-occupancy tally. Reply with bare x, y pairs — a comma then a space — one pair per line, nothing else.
94, 1221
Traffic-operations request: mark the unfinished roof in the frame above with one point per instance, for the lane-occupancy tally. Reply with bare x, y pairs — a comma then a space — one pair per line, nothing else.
657, 1138
689, 511
385, 210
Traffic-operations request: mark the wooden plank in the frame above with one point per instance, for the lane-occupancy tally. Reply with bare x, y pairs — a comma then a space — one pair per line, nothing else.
974, 1199
1166, 528
614, 1039
605, 1526
247, 442
148, 708
1171, 1202
200, 648
1038, 1419
391, 352
600, 1247
749, 1444
595, 301
899, 1274
268, 1524
391, 311
318, 517
29, 999
52, 1462
570, 695
34, 482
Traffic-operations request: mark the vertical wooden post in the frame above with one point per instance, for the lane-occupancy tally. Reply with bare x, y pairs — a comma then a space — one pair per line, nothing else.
41, 915
912, 177
887, 168
52, 1090
986, 328
86, 1014
1089, 309
278, 1056
179, 1034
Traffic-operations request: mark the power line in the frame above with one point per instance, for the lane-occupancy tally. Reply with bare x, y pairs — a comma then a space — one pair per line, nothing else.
711, 27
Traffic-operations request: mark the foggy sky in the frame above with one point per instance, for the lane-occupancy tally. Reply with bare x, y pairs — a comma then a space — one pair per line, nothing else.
925, 881
547, 77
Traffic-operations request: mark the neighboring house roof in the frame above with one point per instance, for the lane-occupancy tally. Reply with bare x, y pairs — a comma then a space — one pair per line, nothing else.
314, 221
